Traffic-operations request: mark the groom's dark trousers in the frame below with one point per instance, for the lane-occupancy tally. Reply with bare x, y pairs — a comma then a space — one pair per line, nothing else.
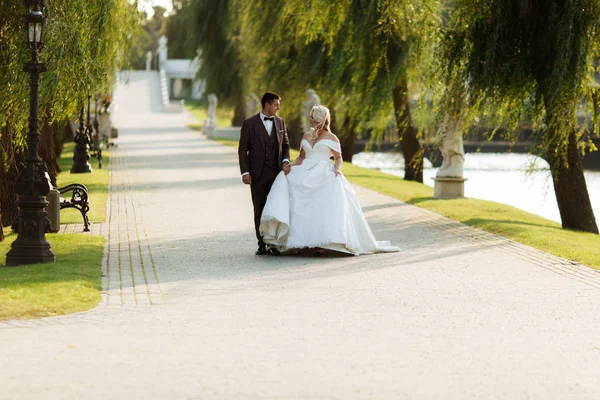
261, 155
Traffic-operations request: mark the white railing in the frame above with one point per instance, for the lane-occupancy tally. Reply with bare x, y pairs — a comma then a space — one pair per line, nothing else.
164, 91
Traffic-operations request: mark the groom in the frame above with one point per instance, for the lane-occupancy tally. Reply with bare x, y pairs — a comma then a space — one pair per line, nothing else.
264, 150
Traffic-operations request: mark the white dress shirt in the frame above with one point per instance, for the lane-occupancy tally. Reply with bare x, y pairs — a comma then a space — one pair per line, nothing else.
268, 123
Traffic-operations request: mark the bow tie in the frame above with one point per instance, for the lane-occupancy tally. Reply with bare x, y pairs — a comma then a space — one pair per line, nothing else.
269, 118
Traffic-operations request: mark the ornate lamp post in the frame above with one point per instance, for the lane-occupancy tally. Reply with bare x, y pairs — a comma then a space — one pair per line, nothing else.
96, 130
33, 184
81, 154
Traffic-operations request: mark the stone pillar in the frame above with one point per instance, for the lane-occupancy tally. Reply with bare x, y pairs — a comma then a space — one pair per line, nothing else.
162, 53
53, 209
448, 188
210, 123
197, 85
148, 60
197, 90
449, 180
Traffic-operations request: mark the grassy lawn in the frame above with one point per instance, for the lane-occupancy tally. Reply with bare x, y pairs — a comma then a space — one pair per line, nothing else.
69, 285
500, 219
72, 283
200, 111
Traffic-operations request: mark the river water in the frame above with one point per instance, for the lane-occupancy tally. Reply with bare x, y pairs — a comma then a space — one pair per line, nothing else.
502, 178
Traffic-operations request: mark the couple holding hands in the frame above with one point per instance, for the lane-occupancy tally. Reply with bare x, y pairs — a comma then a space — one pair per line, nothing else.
307, 203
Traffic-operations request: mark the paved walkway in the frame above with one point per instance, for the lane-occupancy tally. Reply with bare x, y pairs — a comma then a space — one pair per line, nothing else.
188, 311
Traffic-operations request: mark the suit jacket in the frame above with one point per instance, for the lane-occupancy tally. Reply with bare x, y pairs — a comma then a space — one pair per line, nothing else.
253, 143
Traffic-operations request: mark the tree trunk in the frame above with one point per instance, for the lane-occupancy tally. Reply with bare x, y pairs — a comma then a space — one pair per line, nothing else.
239, 113
1, 225
2, 143
411, 148
348, 138
294, 129
346, 133
59, 143
571, 190
68, 135
48, 149
8, 197
595, 111
8, 178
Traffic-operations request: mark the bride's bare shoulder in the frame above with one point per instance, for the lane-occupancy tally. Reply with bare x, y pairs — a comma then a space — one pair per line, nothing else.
307, 136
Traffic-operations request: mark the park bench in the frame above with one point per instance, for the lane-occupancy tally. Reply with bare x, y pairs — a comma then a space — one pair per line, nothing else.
95, 150
79, 200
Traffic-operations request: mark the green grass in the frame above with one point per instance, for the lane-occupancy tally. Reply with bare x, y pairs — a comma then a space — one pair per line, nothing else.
96, 183
500, 219
200, 111
72, 283
69, 285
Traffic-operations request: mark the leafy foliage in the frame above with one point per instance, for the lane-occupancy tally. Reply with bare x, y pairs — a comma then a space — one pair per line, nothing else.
215, 35
500, 58
352, 52
85, 43
529, 58
179, 44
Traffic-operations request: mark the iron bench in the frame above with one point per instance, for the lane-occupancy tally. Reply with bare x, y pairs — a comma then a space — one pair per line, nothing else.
79, 200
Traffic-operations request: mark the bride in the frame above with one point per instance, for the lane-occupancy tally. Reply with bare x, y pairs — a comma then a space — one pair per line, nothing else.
314, 205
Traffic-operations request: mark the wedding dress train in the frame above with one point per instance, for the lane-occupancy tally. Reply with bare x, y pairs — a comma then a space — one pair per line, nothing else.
312, 207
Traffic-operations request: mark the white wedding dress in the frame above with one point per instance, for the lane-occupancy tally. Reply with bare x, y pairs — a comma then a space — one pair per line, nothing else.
312, 207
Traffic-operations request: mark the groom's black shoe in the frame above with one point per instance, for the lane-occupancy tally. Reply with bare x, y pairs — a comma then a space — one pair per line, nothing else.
273, 251
262, 251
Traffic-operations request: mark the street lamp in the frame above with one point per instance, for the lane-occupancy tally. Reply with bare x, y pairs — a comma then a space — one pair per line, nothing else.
96, 131
33, 183
81, 154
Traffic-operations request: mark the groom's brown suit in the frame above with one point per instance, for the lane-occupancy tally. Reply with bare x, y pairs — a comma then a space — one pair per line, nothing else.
261, 154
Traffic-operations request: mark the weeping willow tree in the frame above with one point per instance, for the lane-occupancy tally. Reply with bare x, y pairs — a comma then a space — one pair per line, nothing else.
14, 103
356, 54
213, 33
372, 54
274, 57
508, 58
84, 45
180, 46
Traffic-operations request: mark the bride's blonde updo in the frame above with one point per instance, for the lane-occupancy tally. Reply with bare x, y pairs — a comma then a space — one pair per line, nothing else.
322, 117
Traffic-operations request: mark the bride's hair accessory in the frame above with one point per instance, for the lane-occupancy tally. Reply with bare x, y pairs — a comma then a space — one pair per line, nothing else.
323, 118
